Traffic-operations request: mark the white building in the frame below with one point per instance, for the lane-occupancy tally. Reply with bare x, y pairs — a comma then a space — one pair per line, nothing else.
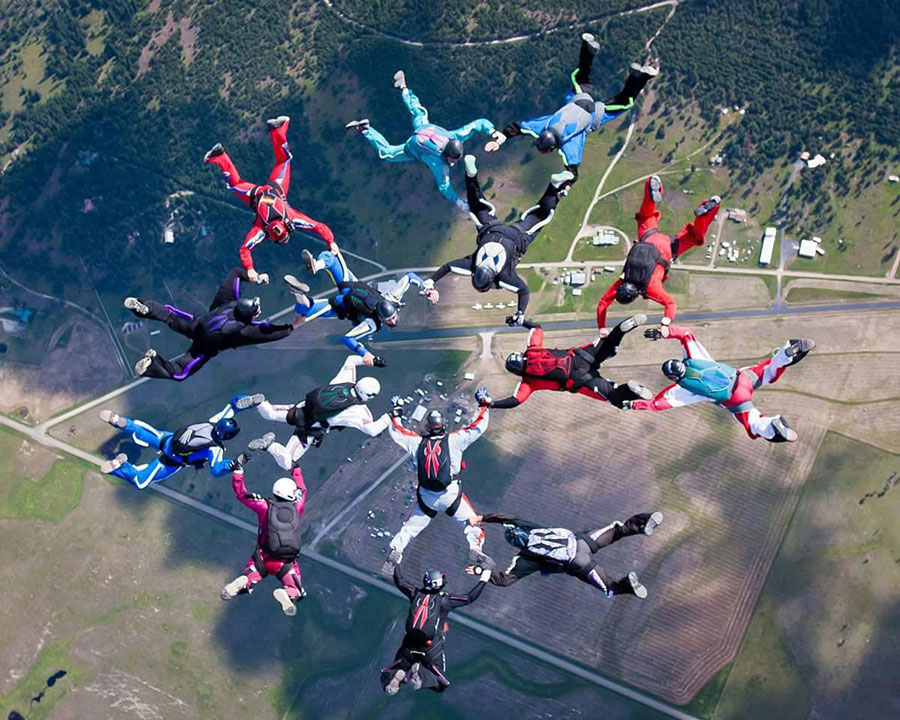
605, 238
577, 278
418, 413
768, 246
807, 248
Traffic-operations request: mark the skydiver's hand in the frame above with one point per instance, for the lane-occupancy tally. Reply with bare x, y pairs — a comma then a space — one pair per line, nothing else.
657, 333
475, 520
516, 320
397, 411
368, 360
333, 248
462, 205
252, 275
626, 405
483, 397
603, 333
237, 465
262, 279
379, 361
470, 570
497, 139
432, 295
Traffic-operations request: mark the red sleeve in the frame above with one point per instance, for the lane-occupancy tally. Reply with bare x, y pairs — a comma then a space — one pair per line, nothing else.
254, 502
656, 404
304, 222
399, 427
253, 238
297, 477
605, 302
523, 391
475, 422
536, 337
657, 293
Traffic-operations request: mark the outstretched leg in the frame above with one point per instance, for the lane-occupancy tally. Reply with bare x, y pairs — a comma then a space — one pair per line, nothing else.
474, 533
288, 455
178, 320
281, 172
479, 206
414, 525
535, 217
143, 475
694, 233
582, 74
648, 216
233, 181
416, 110
635, 525
386, 151
177, 369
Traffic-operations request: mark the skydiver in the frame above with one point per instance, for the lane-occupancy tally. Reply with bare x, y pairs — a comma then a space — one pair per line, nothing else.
420, 660
500, 246
359, 302
648, 261
558, 550
575, 370
193, 445
278, 537
275, 218
229, 323
439, 460
567, 129
339, 404
438, 148
699, 378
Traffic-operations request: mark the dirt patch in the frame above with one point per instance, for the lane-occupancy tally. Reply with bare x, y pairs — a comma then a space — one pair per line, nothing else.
189, 35
156, 41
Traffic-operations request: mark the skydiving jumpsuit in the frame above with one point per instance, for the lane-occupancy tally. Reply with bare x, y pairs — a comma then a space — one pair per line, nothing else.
426, 627
581, 114
262, 563
191, 445
355, 301
439, 460
709, 381
575, 370
211, 333
497, 239
349, 412
693, 234
558, 550
426, 144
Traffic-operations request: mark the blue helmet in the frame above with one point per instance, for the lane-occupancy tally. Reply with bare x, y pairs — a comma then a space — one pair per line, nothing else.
225, 429
516, 536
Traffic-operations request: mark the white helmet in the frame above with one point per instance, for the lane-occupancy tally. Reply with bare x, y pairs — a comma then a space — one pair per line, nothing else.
285, 489
367, 388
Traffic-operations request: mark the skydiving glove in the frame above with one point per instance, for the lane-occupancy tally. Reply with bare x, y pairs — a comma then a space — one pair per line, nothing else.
517, 320
262, 279
379, 361
497, 139
626, 405
483, 397
237, 465
653, 334
462, 205
396, 409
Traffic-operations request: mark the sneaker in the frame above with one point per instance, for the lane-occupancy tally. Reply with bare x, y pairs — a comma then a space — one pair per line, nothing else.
400, 80
283, 599
642, 392
559, 179
359, 125
796, 350
114, 419
707, 205
633, 322
249, 401
471, 168
234, 588
476, 557
783, 431
591, 42
275, 123
656, 189
296, 285
639, 590
136, 306
312, 263
653, 522
650, 70
107, 466
151, 353
394, 685
261, 443
214, 151
143, 365
414, 678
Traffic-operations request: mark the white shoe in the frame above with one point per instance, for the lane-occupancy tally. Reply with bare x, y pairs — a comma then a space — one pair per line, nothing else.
783, 431
359, 125
394, 685
414, 678
656, 188
639, 590
400, 80
633, 322
796, 350
708, 205
136, 306
107, 466
471, 168
642, 392
142, 365
653, 522
114, 419
249, 401
214, 151
313, 264
592, 41
232, 589
287, 605
650, 70
262, 443
275, 123
559, 179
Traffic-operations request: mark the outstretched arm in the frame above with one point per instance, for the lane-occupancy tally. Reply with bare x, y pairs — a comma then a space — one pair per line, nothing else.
458, 601
304, 222
461, 266
671, 397
657, 293
263, 332
471, 432
406, 439
353, 339
230, 289
520, 394
441, 172
300, 502
254, 237
690, 345
257, 503
467, 132
402, 585
605, 302
504, 519
517, 285
347, 373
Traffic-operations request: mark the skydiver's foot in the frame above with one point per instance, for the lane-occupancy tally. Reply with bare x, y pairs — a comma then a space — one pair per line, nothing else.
261, 443
653, 522
796, 350
645, 70
783, 431
656, 189
591, 42
283, 599
296, 285
631, 323
471, 168
394, 685
275, 123
639, 590
400, 80
249, 401
708, 205
312, 263
394, 559
562, 180
640, 392
359, 125
214, 151
235, 587
477, 557
108, 466
302, 595
114, 419
414, 678
136, 306
143, 365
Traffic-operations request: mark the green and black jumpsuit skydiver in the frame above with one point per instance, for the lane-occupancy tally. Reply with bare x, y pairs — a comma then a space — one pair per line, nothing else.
582, 113
558, 550
426, 626
217, 330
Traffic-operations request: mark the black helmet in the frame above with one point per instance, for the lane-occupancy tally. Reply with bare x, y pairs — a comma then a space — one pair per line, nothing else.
673, 369
548, 140
434, 580
515, 363
247, 309
483, 278
627, 292
434, 423
225, 429
453, 150
385, 309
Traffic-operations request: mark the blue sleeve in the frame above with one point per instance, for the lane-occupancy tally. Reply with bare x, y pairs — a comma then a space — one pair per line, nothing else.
364, 329
610, 115
466, 132
536, 125
573, 148
415, 279
219, 467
